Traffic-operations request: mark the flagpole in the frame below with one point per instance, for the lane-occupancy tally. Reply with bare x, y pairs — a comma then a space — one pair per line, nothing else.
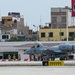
67, 24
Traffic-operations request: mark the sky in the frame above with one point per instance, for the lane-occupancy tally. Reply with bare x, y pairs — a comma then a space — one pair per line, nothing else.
35, 12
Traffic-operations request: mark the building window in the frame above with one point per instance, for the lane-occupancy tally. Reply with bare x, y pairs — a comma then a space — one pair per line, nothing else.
5, 36
42, 34
2, 21
71, 34
9, 19
64, 19
61, 33
51, 34
15, 21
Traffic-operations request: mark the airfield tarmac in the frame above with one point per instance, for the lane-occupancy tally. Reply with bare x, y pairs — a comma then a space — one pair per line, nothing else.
37, 70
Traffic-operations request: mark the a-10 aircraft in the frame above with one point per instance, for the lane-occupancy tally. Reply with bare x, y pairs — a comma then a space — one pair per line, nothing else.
61, 51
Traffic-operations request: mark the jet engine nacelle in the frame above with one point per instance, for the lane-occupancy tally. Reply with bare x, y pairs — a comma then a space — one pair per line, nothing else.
66, 47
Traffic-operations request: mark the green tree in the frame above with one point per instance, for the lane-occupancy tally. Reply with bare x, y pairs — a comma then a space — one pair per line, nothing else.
71, 38
12, 39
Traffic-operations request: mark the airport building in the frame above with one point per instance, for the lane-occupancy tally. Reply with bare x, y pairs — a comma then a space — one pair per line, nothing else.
55, 34
11, 48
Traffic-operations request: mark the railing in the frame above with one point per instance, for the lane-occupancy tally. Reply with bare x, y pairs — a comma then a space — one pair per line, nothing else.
32, 42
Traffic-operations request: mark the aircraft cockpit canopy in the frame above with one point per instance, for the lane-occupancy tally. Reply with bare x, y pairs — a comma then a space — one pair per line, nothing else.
37, 45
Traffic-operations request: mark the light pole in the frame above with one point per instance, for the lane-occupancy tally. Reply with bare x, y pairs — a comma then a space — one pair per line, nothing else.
67, 24
37, 31
60, 20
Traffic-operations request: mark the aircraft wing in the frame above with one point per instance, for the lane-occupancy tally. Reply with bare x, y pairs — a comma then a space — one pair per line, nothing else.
54, 49
43, 48
28, 51
33, 51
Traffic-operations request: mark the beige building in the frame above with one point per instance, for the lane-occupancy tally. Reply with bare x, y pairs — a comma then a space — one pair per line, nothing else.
56, 31
7, 20
53, 34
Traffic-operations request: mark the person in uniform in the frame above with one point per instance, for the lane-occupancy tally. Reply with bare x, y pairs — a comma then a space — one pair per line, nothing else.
14, 57
19, 57
9, 57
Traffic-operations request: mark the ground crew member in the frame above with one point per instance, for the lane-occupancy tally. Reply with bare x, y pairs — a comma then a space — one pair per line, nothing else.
30, 57
9, 57
39, 57
19, 57
14, 57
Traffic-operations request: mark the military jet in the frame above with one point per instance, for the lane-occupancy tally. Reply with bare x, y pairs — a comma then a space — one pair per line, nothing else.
62, 51
37, 48
59, 51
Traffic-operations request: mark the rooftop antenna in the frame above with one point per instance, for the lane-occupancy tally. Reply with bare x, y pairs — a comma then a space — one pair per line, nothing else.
40, 20
67, 25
